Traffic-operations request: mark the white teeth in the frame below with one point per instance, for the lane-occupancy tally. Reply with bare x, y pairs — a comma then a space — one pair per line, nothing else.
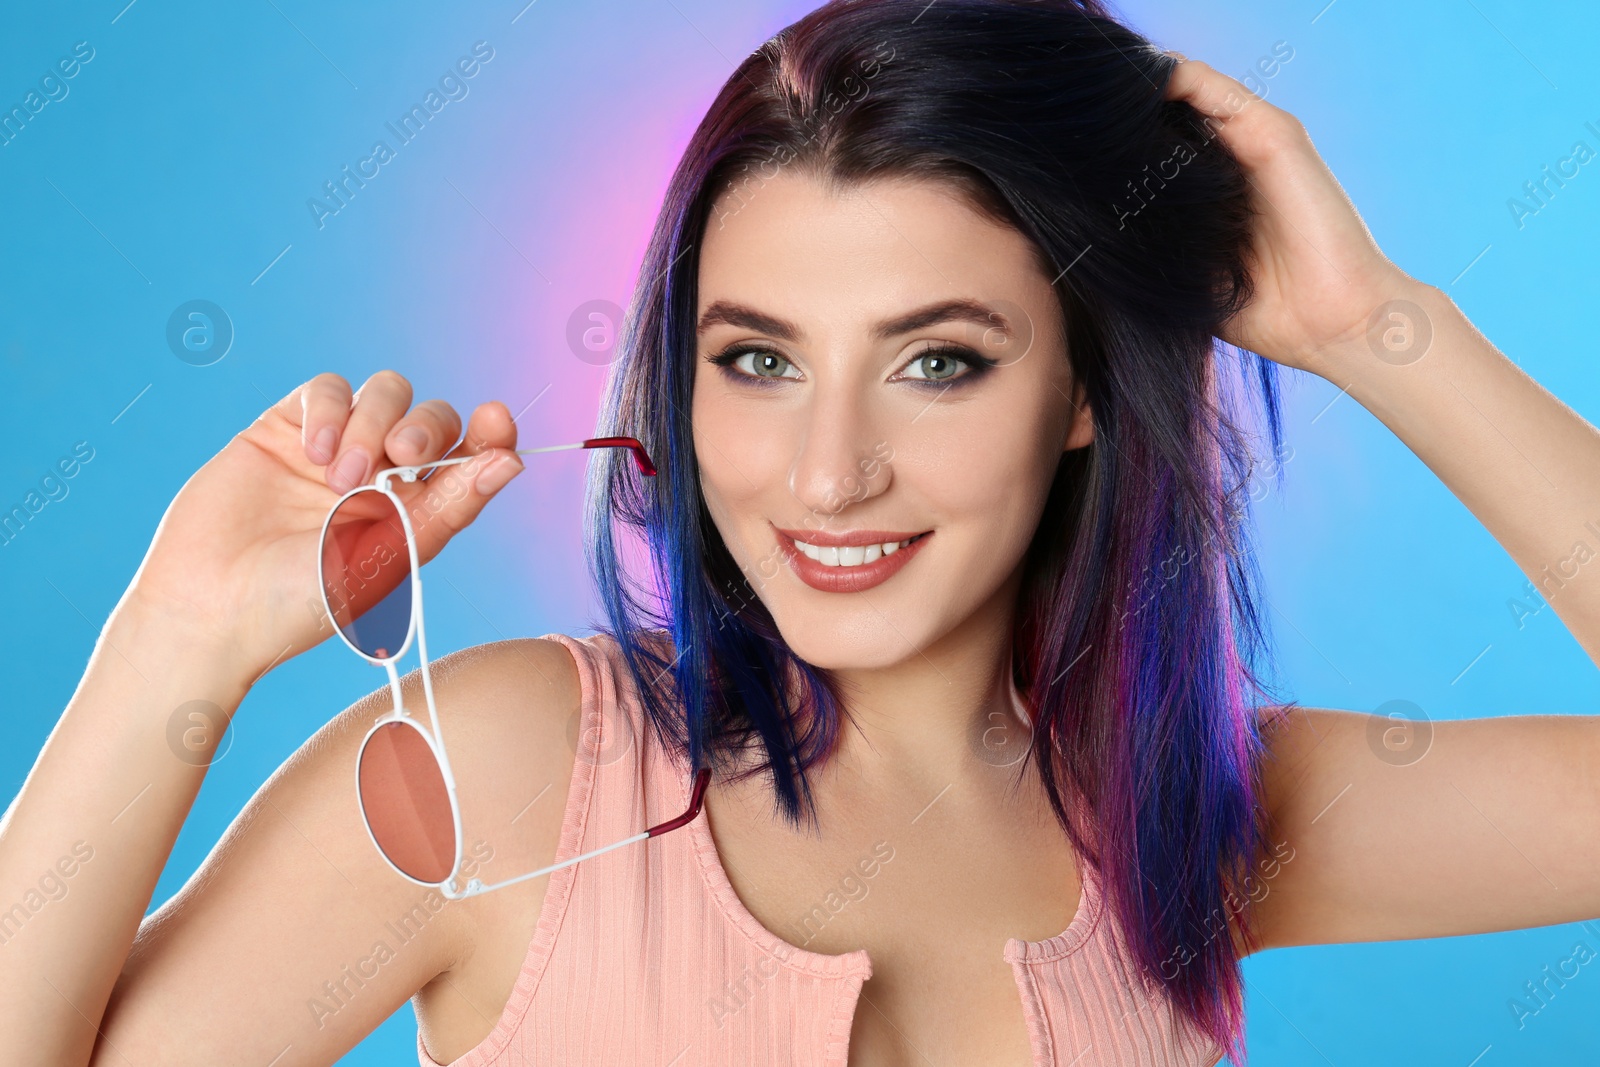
850, 555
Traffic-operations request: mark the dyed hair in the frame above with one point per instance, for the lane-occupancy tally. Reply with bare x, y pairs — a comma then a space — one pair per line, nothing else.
1139, 647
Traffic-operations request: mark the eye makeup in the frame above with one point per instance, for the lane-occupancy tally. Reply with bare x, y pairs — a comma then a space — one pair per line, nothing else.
976, 363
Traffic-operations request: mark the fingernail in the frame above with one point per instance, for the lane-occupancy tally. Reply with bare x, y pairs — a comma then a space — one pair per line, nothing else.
350, 471
322, 445
415, 438
494, 477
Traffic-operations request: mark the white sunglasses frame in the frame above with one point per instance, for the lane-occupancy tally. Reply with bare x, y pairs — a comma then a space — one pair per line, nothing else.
435, 742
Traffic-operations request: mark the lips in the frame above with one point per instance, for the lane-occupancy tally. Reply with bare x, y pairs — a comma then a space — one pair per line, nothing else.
852, 579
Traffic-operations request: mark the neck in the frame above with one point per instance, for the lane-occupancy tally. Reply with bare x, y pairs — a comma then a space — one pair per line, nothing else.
944, 715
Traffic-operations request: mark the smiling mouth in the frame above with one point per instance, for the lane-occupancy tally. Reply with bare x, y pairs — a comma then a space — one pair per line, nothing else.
853, 555
876, 557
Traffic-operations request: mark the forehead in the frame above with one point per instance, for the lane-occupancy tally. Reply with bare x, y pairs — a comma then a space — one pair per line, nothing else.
792, 245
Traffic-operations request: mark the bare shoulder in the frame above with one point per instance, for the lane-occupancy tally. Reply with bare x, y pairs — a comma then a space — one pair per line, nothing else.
294, 931
524, 689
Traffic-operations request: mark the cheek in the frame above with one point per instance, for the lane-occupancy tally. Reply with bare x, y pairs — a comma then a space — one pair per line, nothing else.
988, 478
741, 449
986, 464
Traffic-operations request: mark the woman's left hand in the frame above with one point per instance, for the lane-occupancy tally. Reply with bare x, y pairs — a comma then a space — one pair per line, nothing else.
1318, 275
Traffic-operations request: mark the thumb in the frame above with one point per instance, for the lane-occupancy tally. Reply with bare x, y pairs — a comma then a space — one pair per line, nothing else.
448, 502
499, 467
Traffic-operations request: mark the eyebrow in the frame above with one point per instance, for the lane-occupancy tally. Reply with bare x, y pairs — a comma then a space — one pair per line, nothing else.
729, 313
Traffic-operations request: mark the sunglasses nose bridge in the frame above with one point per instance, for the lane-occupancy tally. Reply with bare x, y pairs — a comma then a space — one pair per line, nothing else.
405, 474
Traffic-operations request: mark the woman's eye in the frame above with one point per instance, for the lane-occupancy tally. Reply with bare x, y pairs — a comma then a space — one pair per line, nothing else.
935, 365
756, 363
939, 365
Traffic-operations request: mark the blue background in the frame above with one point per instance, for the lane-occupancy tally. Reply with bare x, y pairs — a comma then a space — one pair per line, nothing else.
179, 167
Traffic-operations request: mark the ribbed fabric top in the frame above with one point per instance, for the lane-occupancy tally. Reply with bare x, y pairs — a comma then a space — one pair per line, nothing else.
646, 954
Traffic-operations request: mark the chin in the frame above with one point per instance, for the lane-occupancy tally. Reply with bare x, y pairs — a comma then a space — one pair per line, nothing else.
860, 638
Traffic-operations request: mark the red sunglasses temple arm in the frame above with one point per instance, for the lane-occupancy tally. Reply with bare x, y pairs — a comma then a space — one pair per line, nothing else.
701, 780
632, 444
640, 456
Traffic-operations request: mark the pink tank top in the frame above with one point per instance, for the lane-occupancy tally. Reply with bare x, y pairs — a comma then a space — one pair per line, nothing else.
645, 954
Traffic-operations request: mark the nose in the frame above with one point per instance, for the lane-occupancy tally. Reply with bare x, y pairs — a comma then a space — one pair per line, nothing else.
840, 459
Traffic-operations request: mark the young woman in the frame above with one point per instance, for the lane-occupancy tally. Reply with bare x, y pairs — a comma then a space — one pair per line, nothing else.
945, 562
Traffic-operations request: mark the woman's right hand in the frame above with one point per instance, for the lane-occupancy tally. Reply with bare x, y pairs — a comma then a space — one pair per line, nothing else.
234, 559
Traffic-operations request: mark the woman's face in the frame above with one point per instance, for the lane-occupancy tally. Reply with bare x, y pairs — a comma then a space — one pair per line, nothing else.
856, 406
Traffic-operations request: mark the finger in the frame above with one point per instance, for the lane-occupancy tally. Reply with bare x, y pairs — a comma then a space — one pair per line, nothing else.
324, 410
317, 409
490, 435
381, 401
423, 435
1207, 89
1248, 124
490, 427
450, 498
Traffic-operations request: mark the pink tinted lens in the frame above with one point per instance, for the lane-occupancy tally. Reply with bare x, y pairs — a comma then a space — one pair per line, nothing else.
406, 805
366, 574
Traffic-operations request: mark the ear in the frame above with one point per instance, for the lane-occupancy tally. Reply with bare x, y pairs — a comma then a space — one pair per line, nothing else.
1082, 429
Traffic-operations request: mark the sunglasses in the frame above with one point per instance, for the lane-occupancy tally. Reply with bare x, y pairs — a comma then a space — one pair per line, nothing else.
372, 590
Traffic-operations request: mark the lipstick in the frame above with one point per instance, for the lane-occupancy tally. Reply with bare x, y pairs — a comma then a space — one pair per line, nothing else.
851, 579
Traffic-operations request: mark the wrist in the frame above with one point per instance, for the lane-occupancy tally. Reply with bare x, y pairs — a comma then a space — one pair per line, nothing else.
1401, 328
162, 637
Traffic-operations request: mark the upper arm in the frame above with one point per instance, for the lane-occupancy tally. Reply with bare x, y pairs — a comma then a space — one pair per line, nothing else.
1468, 830
294, 932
